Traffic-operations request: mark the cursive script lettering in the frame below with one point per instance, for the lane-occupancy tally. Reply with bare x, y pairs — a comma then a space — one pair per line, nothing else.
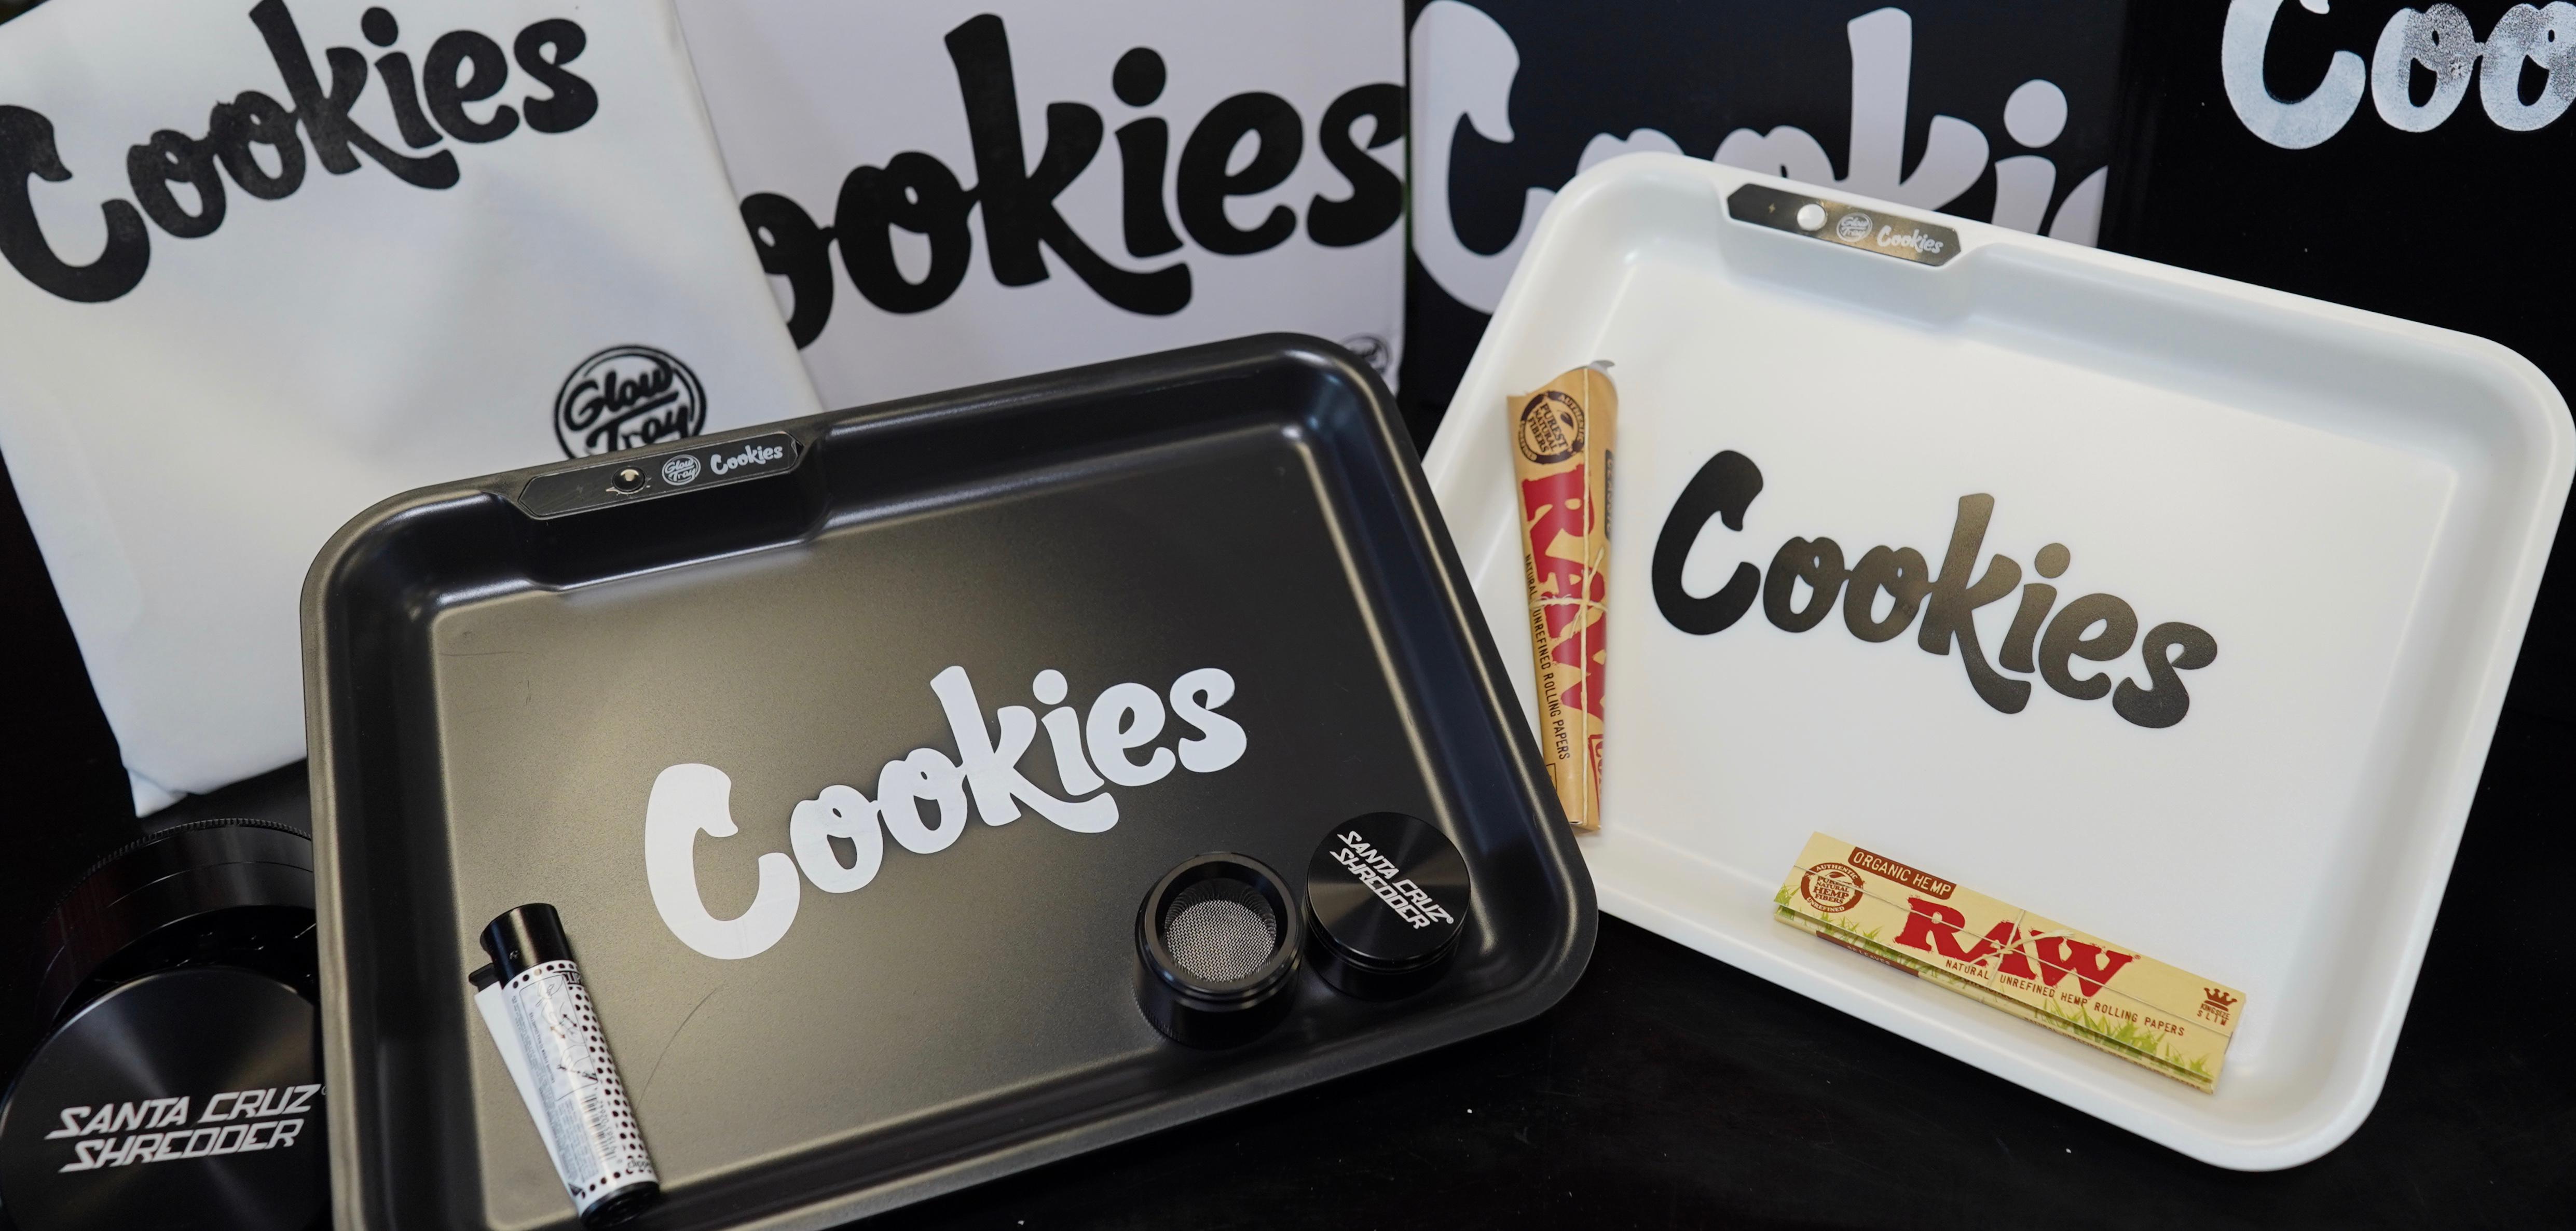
1915, 240
464, 67
2094, 628
604, 404
985, 774
1014, 199
2439, 41
751, 455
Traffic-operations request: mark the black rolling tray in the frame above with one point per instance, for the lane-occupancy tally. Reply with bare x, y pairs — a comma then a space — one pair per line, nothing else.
501, 671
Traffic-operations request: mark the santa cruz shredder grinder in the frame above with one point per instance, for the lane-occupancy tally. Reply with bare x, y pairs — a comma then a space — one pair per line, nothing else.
1217, 951
177, 1086
1386, 895
1220, 938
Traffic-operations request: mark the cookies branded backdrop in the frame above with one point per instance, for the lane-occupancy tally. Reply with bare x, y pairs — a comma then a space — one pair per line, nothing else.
947, 193
271, 261
1997, 110
2343, 152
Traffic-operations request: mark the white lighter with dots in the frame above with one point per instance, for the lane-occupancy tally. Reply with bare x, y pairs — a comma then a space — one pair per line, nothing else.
533, 1000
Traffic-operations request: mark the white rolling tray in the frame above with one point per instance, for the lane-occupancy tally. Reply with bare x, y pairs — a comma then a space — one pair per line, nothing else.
2355, 508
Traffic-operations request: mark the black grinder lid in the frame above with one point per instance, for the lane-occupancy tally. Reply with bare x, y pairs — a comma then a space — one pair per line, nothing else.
185, 1100
1386, 897
178, 1087
233, 891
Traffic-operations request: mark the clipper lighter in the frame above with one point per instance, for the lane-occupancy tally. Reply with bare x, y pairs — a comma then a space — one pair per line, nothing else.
598, 1150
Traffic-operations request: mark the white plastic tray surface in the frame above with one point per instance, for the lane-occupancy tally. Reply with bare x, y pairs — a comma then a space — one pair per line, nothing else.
2355, 508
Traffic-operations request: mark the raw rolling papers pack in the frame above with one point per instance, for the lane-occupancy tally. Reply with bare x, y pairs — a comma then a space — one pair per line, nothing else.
1561, 457
2080, 985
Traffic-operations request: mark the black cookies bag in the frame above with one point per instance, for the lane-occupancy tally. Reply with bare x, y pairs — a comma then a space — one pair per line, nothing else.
2348, 152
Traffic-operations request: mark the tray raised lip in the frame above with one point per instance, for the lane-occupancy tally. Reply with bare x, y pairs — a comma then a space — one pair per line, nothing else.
1562, 961
1824, 976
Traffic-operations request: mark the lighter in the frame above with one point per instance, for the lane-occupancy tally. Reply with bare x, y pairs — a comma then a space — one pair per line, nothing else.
573, 1084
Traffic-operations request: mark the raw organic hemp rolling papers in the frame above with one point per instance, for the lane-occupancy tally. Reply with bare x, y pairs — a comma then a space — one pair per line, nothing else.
2083, 986
1561, 443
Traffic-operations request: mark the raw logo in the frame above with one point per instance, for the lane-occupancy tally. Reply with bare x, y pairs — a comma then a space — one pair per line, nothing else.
1935, 929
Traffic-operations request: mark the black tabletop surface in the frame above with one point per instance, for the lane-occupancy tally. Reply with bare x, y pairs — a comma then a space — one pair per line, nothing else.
1671, 1090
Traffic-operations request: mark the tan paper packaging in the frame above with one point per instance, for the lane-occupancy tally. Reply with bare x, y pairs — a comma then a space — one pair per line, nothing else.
2105, 995
1561, 455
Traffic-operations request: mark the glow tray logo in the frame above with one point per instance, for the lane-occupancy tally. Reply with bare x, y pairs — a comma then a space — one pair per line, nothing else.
628, 397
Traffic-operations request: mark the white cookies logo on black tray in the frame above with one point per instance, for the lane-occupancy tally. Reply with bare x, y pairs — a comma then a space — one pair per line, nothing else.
1116, 742
628, 397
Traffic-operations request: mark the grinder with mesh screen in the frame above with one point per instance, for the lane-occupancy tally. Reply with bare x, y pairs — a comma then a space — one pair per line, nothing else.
1217, 951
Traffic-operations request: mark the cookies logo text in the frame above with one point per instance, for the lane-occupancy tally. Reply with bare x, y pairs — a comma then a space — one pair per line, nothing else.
1807, 577
1013, 198
259, 144
1119, 734
2438, 41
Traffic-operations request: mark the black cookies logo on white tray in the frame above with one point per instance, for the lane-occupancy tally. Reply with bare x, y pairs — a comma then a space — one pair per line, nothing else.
630, 397
1809, 577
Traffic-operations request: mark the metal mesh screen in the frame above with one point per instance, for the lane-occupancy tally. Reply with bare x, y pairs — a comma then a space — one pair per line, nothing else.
1220, 930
